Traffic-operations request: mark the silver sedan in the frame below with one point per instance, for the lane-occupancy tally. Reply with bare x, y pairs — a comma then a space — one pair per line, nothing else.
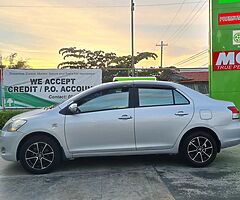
123, 118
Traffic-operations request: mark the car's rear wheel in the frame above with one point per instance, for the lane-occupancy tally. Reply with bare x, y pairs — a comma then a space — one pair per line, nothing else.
39, 154
199, 149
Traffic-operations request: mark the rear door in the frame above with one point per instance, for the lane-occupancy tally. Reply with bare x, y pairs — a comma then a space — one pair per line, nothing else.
160, 116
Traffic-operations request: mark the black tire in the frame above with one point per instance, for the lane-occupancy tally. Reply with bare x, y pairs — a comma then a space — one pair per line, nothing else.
199, 149
40, 154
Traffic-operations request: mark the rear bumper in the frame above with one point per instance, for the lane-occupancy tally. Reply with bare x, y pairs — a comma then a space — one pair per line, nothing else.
229, 135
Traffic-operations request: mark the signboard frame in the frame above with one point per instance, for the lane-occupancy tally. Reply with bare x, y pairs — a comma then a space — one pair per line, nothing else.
224, 73
33, 88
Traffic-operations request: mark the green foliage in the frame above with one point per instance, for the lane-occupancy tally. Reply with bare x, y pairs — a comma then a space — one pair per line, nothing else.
20, 64
111, 64
7, 114
86, 59
115, 66
14, 62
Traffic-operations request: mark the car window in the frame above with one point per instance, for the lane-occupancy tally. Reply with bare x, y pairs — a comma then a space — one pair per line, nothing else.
155, 97
179, 98
105, 100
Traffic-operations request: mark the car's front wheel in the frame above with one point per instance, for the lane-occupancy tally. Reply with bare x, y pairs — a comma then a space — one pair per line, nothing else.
199, 149
39, 154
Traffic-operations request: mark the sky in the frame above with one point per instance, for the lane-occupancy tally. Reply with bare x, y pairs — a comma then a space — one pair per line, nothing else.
37, 29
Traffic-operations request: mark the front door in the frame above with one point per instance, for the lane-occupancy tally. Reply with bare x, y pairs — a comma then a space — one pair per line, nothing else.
105, 123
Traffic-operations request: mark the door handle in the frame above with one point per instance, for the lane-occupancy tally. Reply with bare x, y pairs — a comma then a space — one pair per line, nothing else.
125, 117
181, 114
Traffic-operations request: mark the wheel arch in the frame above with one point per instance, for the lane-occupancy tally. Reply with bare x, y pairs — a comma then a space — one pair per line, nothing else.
204, 129
33, 134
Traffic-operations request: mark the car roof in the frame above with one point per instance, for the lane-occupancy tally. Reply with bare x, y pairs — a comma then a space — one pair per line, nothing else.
138, 83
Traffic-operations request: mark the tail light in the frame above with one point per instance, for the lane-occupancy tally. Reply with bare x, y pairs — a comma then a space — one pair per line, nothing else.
235, 112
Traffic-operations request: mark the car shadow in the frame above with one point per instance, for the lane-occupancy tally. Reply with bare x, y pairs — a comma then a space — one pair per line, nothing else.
119, 163
99, 164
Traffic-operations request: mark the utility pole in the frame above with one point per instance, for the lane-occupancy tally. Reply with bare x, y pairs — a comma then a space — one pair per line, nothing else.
161, 51
132, 37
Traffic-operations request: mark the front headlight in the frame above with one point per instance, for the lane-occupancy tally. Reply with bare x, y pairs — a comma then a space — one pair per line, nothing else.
15, 125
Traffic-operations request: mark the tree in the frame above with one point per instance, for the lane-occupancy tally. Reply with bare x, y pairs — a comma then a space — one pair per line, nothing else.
20, 64
171, 74
13, 62
98, 59
111, 64
1, 62
85, 59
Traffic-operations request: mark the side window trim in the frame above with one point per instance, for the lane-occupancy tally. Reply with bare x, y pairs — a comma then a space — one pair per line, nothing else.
136, 96
132, 97
174, 100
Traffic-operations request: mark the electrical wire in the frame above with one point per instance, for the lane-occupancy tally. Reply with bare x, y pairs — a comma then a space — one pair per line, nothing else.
110, 6
189, 63
204, 65
187, 22
192, 57
173, 19
186, 28
170, 4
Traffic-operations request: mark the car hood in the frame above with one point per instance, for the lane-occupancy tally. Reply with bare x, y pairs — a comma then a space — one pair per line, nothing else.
29, 114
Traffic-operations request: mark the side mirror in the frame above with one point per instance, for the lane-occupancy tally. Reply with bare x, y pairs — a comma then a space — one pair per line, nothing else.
73, 108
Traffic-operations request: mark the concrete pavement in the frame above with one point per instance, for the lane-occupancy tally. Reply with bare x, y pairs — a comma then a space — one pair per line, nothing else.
87, 178
219, 181
129, 177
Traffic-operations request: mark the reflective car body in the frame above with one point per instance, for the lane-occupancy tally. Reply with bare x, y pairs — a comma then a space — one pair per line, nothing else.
126, 118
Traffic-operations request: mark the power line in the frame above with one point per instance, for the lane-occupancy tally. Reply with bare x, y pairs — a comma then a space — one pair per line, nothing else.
173, 19
192, 57
110, 6
170, 4
204, 64
187, 21
204, 58
45, 6
189, 25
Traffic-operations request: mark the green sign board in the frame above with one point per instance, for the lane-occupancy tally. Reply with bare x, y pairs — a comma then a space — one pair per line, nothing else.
229, 1
225, 50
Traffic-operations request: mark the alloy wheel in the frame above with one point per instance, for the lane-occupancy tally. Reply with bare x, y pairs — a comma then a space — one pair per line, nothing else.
200, 149
39, 155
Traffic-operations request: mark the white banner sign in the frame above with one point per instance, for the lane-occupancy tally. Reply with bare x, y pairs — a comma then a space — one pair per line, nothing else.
41, 88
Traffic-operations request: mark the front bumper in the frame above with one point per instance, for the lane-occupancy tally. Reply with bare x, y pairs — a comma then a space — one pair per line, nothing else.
8, 144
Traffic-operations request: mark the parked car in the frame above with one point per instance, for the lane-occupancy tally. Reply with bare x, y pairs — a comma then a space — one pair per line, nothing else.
123, 118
